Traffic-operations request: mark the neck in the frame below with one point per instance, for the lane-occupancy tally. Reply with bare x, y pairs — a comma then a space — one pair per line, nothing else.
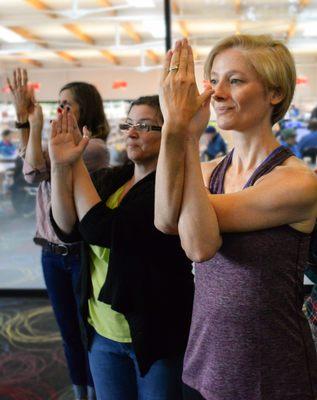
251, 148
142, 170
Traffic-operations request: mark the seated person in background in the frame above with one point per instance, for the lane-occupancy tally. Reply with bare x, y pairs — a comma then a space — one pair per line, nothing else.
7, 148
288, 139
313, 114
216, 146
310, 140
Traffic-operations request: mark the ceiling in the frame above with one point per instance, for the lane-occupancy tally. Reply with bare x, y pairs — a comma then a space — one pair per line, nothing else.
58, 34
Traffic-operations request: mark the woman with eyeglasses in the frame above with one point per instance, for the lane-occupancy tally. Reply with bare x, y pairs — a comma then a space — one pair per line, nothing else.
61, 261
137, 284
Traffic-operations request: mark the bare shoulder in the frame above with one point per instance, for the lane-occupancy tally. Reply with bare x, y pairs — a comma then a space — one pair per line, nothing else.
294, 174
208, 167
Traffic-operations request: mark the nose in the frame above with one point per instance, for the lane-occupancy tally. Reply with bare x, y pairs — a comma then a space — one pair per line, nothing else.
132, 131
221, 91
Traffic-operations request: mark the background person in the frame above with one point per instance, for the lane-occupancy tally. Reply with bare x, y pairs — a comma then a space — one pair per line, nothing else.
249, 233
60, 261
216, 146
7, 148
288, 139
137, 284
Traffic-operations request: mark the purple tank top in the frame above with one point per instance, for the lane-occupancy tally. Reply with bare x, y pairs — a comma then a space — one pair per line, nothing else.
249, 339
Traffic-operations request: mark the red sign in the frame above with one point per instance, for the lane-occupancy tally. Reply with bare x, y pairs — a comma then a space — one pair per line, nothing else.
119, 84
301, 80
35, 85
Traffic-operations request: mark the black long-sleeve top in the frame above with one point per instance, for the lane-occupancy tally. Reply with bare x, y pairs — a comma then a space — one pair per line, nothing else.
149, 277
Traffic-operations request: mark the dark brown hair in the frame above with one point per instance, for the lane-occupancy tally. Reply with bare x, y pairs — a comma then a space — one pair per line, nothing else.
151, 101
91, 112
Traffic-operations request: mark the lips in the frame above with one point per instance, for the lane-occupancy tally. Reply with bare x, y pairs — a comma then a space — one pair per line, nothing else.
223, 110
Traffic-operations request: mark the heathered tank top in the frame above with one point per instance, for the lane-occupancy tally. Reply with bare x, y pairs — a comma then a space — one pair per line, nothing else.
249, 339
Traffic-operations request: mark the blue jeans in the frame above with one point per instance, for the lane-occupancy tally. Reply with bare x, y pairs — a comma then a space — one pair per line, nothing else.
61, 274
116, 374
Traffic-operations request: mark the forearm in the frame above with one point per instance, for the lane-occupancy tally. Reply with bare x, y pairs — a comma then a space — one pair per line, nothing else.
63, 207
85, 193
34, 152
198, 225
169, 182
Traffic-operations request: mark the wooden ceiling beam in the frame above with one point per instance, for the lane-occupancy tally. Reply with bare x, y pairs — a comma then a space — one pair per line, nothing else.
26, 34
41, 6
30, 61
107, 3
175, 8
76, 31
291, 29
131, 32
153, 56
110, 57
183, 29
237, 6
67, 57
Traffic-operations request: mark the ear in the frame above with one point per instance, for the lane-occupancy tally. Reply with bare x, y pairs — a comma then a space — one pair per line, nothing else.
276, 97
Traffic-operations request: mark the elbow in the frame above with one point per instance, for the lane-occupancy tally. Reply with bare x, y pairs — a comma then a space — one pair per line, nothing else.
166, 228
201, 253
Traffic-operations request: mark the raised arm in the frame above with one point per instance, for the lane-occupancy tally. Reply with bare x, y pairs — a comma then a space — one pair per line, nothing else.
34, 153
23, 103
175, 89
181, 201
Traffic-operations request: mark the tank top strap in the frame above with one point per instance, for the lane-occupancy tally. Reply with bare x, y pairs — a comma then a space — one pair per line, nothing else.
277, 157
218, 174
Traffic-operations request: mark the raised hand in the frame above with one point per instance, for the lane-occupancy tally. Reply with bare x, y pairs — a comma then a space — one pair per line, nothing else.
65, 147
183, 107
23, 96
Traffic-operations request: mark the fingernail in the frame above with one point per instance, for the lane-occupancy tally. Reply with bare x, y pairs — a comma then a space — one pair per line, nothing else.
51, 121
67, 108
59, 110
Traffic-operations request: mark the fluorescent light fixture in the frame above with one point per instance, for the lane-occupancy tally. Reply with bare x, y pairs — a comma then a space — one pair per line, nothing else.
155, 27
310, 30
9, 36
141, 3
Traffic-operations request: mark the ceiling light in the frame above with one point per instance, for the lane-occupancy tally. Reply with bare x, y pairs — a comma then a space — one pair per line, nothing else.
155, 27
310, 30
9, 36
141, 3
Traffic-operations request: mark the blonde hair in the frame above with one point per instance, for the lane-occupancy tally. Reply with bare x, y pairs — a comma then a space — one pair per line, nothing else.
272, 62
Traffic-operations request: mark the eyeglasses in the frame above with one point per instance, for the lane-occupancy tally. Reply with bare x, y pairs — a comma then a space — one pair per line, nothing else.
140, 127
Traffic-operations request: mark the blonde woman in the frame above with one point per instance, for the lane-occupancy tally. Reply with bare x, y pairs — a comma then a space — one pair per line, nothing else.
244, 219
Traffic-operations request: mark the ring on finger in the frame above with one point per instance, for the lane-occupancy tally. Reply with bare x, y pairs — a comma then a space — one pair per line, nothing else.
173, 68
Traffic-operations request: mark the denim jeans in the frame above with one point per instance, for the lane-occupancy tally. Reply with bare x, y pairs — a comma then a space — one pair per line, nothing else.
61, 274
116, 374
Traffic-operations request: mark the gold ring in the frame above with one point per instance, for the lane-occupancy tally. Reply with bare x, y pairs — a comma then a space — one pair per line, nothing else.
173, 68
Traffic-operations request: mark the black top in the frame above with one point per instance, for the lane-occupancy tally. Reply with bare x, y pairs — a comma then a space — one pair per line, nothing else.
149, 277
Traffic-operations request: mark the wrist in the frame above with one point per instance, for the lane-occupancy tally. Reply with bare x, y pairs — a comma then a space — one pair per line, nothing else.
22, 117
61, 168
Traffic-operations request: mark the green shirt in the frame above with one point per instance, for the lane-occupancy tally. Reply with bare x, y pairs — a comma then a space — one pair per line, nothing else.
106, 322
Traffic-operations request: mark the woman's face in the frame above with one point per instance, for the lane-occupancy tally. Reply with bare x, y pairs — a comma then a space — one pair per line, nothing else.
66, 99
143, 147
240, 100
